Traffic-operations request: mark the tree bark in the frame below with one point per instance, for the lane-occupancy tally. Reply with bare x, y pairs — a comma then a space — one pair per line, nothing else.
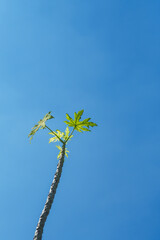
50, 198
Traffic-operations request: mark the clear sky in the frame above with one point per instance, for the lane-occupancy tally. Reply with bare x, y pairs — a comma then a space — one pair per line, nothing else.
63, 56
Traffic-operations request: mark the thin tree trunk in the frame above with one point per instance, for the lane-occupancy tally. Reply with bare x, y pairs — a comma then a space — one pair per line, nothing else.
50, 198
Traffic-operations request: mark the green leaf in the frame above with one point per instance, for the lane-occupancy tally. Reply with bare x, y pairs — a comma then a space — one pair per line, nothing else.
79, 115
70, 121
41, 125
67, 132
66, 135
78, 125
69, 118
55, 138
60, 148
60, 135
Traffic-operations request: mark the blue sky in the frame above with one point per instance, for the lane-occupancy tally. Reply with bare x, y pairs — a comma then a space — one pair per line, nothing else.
64, 56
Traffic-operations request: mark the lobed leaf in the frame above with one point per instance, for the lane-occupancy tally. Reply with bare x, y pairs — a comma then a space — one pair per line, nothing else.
60, 148
41, 125
55, 138
78, 125
62, 135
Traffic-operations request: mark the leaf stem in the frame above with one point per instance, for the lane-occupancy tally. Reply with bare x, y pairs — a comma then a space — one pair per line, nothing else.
55, 134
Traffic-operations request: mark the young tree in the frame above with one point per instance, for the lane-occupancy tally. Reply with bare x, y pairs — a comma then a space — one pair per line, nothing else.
62, 137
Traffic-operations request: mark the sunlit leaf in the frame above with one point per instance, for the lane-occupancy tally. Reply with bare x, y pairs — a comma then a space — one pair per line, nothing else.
67, 132
55, 138
66, 135
78, 125
41, 125
60, 148
79, 114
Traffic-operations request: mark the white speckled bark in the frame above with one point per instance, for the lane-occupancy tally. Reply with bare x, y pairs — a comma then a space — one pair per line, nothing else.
50, 198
